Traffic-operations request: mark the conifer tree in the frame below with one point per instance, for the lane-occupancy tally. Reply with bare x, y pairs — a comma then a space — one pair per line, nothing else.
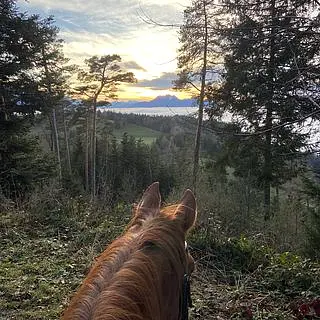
21, 96
271, 84
100, 81
197, 58
53, 73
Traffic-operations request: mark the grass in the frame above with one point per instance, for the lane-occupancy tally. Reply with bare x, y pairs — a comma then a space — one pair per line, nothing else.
41, 266
37, 273
139, 132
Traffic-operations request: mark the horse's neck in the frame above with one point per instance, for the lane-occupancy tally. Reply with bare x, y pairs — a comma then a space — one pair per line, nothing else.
171, 290
128, 286
146, 287
137, 293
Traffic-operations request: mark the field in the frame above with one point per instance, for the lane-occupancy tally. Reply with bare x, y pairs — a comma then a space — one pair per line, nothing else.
139, 132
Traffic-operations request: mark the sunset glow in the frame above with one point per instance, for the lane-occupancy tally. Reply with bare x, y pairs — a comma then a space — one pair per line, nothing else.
117, 27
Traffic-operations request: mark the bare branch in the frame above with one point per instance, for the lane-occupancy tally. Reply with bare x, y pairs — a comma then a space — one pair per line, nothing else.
146, 18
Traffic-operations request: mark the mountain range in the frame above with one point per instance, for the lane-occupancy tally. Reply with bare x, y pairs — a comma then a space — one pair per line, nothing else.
160, 101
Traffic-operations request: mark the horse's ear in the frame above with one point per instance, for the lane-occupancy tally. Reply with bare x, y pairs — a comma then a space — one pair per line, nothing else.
187, 210
150, 202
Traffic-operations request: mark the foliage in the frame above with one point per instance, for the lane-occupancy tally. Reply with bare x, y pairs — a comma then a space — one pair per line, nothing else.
22, 41
269, 87
131, 166
242, 278
102, 77
127, 160
24, 167
199, 49
50, 238
46, 253
234, 255
292, 275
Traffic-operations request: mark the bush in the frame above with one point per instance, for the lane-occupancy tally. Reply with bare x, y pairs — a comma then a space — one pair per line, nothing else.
291, 275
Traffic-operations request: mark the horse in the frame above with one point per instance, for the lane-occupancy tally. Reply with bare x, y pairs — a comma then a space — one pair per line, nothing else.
144, 274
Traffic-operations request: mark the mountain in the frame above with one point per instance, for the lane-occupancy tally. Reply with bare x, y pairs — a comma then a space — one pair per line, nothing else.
160, 101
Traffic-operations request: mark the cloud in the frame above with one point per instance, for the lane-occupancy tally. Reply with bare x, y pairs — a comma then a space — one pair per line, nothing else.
118, 21
115, 17
160, 83
115, 27
132, 65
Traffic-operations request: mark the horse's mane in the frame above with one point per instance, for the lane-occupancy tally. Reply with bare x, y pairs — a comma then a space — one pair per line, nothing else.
125, 277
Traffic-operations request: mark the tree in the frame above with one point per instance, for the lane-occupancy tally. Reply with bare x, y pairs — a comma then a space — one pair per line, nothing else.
272, 75
198, 56
100, 81
20, 98
52, 74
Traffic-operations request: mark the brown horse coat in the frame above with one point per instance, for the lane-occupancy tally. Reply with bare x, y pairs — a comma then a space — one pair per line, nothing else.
140, 275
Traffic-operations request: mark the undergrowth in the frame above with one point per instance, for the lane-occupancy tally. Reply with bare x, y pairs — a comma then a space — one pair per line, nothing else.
255, 281
46, 250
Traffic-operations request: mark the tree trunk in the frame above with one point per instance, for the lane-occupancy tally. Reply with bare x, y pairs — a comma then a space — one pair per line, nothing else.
87, 146
54, 117
56, 138
55, 134
66, 138
268, 144
267, 167
51, 136
94, 151
201, 105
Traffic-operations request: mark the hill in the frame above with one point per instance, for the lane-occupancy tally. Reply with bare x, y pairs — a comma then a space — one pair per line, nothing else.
160, 101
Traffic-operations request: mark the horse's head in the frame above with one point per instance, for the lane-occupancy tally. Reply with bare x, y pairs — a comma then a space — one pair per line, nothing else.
178, 218
145, 273
162, 231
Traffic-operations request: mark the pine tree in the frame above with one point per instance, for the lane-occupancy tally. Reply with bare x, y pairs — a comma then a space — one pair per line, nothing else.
20, 98
197, 58
100, 79
272, 74
53, 73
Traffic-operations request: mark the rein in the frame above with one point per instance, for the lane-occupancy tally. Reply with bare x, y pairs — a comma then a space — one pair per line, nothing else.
186, 300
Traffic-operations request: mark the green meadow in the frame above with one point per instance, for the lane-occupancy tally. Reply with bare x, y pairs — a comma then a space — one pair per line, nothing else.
139, 132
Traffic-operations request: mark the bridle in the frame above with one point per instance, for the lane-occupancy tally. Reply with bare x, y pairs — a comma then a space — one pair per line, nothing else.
185, 301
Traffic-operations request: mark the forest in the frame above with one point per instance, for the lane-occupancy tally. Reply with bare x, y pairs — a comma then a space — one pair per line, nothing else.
70, 172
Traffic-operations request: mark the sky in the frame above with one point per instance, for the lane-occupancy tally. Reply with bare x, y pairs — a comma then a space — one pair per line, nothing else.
99, 27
